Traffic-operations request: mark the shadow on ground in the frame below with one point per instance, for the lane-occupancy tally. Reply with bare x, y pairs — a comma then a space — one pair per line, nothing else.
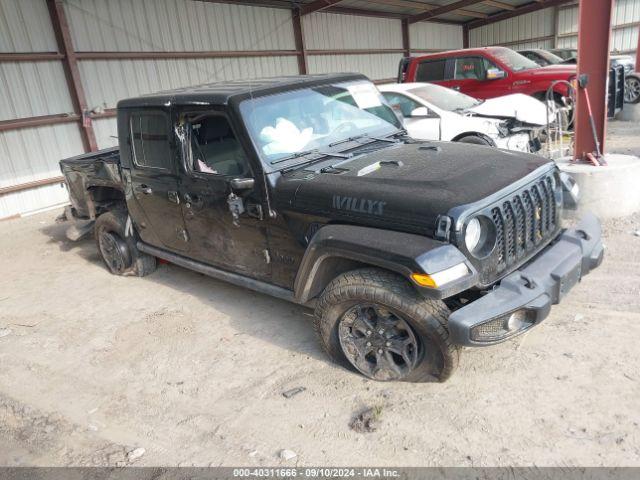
286, 325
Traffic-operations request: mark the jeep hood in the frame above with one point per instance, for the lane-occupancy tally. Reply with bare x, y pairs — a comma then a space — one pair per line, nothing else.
523, 108
404, 186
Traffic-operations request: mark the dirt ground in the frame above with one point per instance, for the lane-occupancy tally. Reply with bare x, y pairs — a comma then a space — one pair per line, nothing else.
95, 367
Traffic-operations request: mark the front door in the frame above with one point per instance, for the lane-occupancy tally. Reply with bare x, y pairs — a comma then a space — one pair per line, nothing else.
154, 180
213, 158
420, 122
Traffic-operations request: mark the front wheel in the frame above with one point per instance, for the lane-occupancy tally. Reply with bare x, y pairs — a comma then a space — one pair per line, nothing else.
632, 89
375, 322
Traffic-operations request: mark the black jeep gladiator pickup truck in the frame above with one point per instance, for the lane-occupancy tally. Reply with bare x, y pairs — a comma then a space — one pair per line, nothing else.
307, 188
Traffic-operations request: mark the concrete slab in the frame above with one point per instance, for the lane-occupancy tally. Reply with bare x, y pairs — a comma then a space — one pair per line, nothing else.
609, 192
630, 113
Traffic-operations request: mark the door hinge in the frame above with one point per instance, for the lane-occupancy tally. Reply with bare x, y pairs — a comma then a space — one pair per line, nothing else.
183, 235
267, 256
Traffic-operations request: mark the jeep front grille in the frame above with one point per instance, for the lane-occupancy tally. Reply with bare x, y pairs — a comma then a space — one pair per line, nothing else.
524, 222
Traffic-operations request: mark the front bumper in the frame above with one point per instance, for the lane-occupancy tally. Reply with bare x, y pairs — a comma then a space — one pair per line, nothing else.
531, 290
518, 142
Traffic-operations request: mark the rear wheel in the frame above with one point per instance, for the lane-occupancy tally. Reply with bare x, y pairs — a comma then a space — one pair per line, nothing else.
632, 89
375, 322
117, 247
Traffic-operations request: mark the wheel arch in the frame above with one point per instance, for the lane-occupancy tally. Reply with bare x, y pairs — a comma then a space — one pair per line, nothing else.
336, 249
484, 137
101, 198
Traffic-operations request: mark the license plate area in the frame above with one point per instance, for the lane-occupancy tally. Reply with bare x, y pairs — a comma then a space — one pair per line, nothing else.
569, 280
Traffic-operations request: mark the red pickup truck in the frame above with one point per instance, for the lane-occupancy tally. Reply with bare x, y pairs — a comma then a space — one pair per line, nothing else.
486, 72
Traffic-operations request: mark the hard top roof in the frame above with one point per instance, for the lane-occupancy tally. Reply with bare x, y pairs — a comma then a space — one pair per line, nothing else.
221, 93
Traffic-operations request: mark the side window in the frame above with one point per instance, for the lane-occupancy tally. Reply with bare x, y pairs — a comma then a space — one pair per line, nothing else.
214, 147
401, 102
470, 68
150, 141
431, 71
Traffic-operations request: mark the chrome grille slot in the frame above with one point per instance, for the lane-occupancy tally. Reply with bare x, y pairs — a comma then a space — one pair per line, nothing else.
523, 222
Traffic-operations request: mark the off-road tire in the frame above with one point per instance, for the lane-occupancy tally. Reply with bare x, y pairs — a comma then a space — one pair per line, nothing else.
133, 261
428, 319
474, 139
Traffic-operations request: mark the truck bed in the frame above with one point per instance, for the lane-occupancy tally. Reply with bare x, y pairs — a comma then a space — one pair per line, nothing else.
89, 172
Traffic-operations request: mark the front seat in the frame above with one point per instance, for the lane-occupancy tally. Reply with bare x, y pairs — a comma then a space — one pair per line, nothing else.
221, 151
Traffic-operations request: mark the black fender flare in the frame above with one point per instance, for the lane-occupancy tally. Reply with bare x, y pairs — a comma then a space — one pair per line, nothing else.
335, 249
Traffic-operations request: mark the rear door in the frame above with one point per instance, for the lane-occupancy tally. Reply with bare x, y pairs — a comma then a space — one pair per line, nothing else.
430, 70
154, 179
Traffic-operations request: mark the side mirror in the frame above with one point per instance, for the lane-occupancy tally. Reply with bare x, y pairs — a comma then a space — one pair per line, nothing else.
495, 74
420, 112
238, 184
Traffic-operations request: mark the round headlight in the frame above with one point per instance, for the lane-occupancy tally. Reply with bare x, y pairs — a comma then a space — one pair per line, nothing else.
473, 234
480, 236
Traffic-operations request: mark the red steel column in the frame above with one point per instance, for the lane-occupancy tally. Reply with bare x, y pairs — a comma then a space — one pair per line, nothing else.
72, 74
298, 36
465, 36
638, 52
406, 42
594, 31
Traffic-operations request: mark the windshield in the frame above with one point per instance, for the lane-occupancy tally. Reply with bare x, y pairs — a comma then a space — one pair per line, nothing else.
514, 60
565, 53
297, 121
445, 98
550, 57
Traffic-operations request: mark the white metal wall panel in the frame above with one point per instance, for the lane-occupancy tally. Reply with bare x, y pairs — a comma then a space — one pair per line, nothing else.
107, 81
375, 66
106, 130
25, 27
33, 154
328, 31
517, 29
33, 88
176, 25
435, 36
626, 16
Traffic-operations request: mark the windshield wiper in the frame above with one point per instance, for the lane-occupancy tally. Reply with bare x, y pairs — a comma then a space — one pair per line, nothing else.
367, 136
309, 152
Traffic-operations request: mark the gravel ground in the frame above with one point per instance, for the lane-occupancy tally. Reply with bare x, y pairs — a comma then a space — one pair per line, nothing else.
192, 370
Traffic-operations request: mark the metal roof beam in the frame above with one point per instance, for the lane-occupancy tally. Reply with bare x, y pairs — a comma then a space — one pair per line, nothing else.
425, 7
501, 5
527, 8
421, 17
316, 6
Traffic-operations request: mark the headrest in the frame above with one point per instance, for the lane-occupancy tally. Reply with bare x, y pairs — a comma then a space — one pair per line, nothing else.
213, 129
